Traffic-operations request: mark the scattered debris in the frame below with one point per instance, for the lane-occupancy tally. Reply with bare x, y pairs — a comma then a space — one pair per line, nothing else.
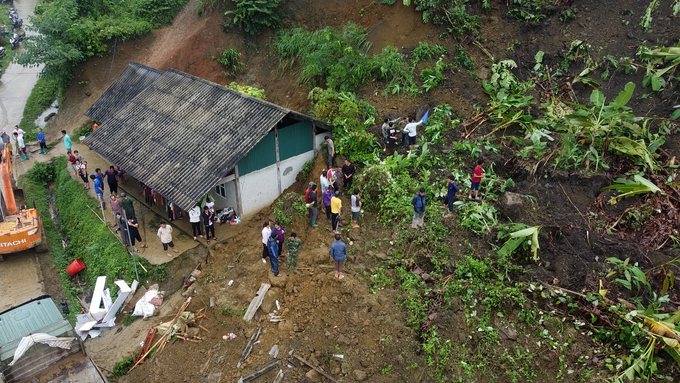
149, 302
256, 302
249, 347
261, 370
28, 341
315, 368
274, 352
229, 336
279, 377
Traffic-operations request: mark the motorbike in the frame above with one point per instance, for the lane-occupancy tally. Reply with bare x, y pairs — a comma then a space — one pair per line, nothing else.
14, 18
16, 39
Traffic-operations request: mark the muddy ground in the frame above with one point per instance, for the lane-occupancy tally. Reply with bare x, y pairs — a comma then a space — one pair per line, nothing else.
327, 317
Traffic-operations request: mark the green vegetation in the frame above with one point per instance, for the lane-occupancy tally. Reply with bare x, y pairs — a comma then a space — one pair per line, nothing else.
121, 368
88, 239
43, 95
286, 206
249, 90
252, 16
452, 13
70, 31
229, 60
629, 188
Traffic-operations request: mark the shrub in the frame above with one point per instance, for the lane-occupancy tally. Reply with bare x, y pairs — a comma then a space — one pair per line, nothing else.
249, 90
229, 60
43, 95
339, 59
254, 15
452, 13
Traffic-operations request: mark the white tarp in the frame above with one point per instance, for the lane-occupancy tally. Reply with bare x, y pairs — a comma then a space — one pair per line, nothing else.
144, 307
52, 341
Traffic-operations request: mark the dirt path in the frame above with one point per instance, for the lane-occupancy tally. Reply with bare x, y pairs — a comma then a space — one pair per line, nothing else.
21, 279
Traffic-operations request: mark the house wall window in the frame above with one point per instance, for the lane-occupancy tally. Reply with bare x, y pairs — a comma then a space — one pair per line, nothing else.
221, 190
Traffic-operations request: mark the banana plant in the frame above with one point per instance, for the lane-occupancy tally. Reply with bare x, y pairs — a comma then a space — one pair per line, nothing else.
528, 235
628, 188
657, 57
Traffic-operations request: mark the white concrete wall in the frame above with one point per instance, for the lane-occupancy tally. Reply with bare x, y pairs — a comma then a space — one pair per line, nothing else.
260, 188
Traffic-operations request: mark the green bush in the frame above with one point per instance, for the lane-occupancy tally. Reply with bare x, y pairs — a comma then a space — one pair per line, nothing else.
338, 58
249, 90
229, 60
254, 15
452, 13
121, 368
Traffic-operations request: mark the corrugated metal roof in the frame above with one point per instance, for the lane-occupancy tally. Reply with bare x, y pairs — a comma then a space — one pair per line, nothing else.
135, 78
181, 134
27, 319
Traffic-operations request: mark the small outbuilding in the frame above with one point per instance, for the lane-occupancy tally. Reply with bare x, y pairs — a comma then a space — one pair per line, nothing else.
184, 137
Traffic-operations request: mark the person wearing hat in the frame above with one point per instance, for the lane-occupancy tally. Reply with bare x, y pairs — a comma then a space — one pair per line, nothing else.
336, 207
41, 140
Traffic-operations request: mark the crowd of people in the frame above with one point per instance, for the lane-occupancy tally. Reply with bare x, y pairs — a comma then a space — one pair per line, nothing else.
329, 187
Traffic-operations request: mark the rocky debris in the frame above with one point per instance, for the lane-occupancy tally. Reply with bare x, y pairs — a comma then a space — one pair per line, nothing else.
269, 301
312, 376
382, 256
359, 375
515, 206
508, 333
343, 340
279, 281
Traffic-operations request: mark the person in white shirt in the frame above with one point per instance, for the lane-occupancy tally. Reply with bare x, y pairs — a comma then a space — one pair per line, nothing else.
165, 234
266, 233
195, 219
20, 132
210, 205
356, 208
411, 128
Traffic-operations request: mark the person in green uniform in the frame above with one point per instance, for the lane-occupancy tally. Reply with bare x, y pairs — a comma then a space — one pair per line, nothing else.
293, 247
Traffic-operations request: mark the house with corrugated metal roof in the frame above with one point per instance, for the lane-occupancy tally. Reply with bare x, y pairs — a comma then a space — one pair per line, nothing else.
184, 137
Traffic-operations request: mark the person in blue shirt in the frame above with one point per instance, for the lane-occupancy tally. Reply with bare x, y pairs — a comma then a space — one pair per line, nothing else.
419, 202
41, 139
338, 254
98, 189
273, 248
451, 194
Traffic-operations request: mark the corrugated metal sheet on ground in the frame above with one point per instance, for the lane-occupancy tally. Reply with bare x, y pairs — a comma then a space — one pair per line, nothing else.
182, 134
134, 78
27, 319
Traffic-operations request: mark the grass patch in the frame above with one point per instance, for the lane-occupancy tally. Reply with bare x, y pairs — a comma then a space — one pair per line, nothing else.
43, 94
89, 239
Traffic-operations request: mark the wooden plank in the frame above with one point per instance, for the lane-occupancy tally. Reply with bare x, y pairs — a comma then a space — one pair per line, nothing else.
256, 302
320, 371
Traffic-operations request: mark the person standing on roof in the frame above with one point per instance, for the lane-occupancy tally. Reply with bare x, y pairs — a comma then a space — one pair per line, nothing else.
67, 141
165, 235
41, 140
195, 219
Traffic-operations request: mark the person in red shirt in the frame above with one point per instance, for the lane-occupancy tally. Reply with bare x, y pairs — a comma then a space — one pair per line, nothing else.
477, 175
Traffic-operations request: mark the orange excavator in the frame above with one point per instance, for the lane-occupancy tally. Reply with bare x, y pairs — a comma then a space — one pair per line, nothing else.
20, 229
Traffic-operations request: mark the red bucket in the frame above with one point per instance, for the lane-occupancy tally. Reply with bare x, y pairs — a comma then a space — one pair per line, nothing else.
75, 267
